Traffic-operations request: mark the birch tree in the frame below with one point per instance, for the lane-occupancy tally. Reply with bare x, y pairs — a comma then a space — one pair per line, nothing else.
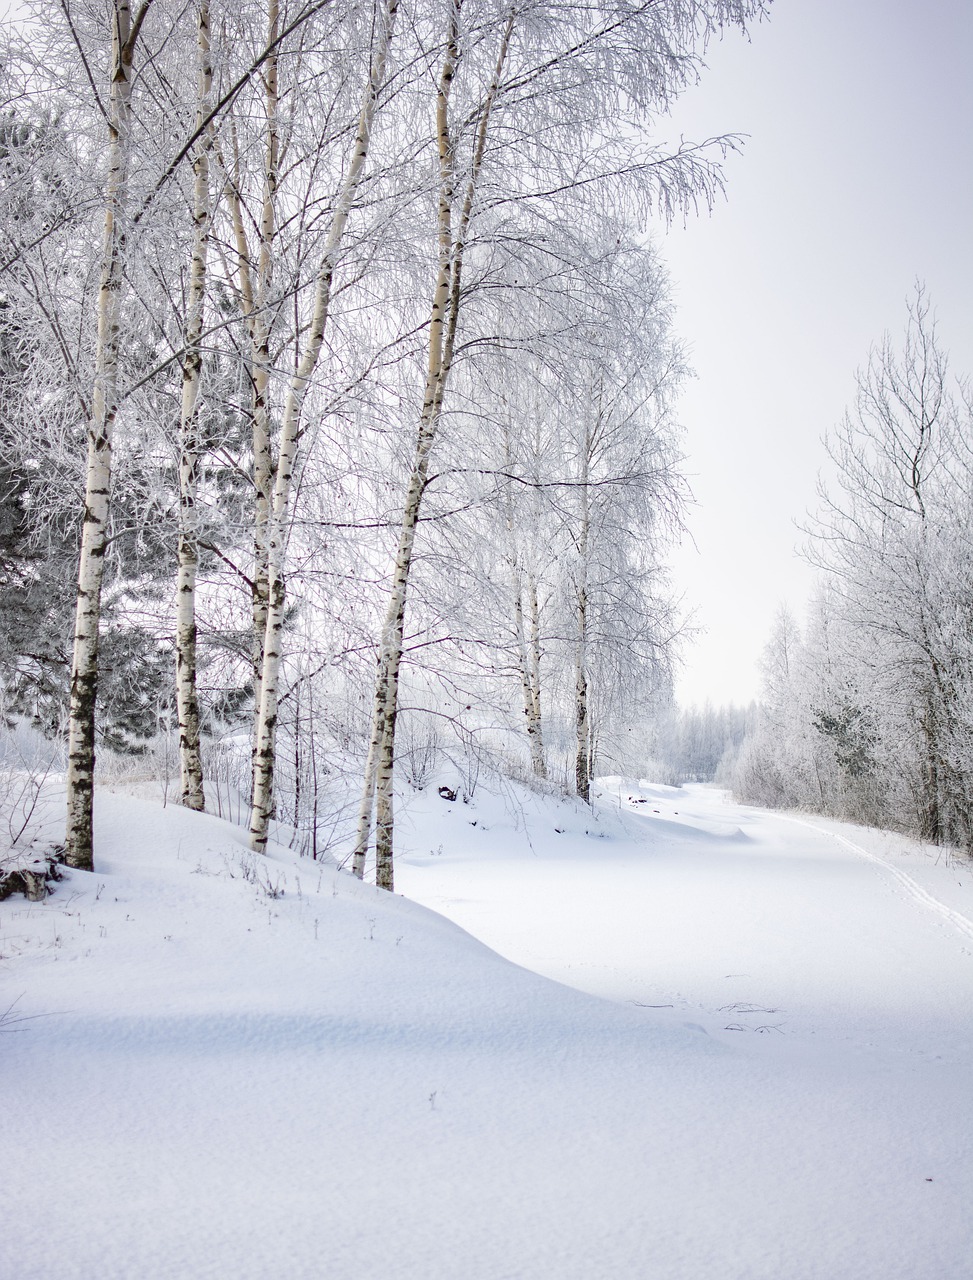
525, 599
190, 449
292, 429
875, 719
118, 254
255, 263
625, 500
894, 536
592, 489
319, 201
125, 29
455, 208
548, 80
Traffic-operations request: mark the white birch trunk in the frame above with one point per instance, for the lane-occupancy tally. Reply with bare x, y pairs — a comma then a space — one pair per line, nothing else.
582, 710
255, 280
291, 432
367, 803
534, 612
94, 538
443, 322
582, 771
534, 676
520, 659
392, 644
187, 699
263, 463
526, 667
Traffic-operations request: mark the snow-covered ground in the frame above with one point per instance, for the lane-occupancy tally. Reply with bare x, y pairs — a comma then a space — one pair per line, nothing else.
754, 1061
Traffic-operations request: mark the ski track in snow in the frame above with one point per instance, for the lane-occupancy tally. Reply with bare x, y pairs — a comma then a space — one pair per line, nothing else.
912, 888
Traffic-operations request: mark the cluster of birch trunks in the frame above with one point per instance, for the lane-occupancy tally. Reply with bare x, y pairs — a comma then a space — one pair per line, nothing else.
382, 273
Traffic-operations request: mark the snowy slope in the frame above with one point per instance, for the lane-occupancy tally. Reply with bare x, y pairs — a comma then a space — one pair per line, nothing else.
266, 1069
840, 934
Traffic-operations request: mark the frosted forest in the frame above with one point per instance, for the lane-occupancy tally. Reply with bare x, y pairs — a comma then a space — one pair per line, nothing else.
337, 353
340, 469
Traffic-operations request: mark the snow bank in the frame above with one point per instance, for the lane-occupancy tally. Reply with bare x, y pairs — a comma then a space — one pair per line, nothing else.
262, 1068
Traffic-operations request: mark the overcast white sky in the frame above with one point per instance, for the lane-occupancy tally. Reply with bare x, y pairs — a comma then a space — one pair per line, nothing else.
857, 179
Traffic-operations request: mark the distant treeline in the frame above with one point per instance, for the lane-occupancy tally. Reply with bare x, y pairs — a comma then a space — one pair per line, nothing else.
700, 744
866, 711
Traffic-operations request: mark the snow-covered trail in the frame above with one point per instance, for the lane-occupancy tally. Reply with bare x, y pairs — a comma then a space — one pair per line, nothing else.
263, 1069
754, 924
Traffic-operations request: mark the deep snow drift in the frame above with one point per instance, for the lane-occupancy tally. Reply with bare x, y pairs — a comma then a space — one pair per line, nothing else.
247, 1067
